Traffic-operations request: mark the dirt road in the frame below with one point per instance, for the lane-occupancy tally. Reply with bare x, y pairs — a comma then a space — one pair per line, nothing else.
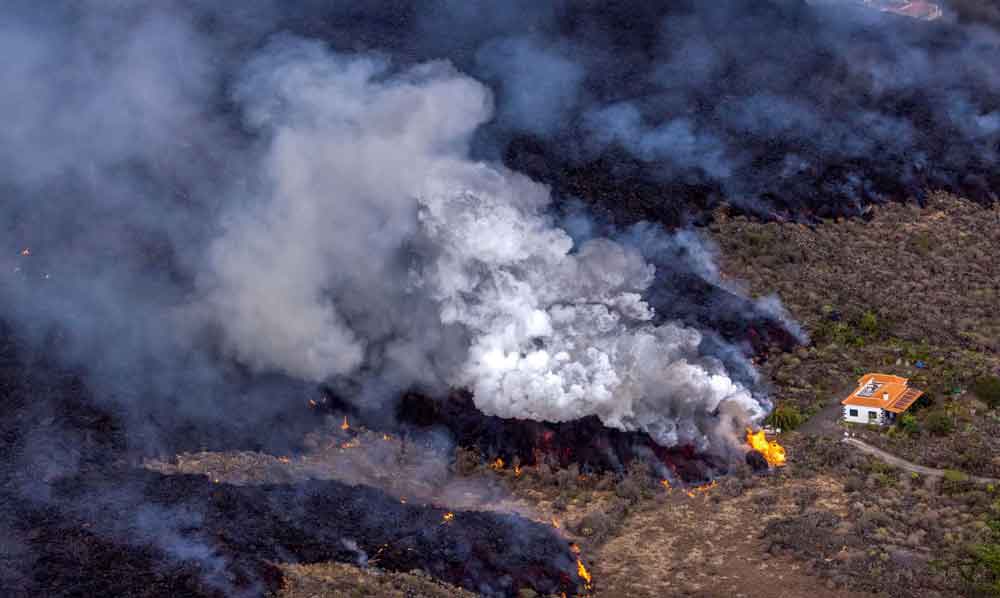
908, 465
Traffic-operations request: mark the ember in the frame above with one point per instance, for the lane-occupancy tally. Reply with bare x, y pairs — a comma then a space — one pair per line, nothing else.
773, 452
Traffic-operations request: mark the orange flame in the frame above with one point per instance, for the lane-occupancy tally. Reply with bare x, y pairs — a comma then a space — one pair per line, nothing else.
497, 465
665, 484
584, 574
517, 471
773, 452
345, 426
448, 517
703, 489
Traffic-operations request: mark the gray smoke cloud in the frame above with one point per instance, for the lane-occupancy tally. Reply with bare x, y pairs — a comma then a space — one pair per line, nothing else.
380, 241
202, 200
220, 214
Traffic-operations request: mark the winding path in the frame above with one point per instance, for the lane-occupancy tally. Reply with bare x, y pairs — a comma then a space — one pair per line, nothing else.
908, 465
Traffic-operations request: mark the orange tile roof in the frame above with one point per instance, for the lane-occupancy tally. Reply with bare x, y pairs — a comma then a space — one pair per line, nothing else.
903, 403
883, 391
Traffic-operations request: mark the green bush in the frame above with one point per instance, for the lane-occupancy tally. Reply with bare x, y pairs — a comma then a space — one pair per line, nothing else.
926, 400
987, 389
939, 423
922, 244
868, 323
908, 423
954, 476
786, 417
981, 567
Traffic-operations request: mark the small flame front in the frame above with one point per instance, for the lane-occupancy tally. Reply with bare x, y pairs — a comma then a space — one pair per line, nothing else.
703, 489
497, 465
582, 571
773, 452
448, 517
345, 426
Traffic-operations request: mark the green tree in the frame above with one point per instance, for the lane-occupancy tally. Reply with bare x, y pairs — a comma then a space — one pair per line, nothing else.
786, 417
868, 323
908, 423
987, 389
981, 567
939, 423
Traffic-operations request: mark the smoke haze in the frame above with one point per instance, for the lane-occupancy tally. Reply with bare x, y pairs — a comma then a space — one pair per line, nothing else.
223, 206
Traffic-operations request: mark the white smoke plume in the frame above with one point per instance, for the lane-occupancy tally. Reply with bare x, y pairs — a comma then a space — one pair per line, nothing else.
379, 248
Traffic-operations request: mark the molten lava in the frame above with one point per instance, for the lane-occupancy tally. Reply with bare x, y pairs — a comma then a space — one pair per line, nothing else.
773, 452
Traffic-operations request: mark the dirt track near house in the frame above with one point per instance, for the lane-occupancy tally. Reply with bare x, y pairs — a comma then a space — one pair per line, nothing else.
908, 465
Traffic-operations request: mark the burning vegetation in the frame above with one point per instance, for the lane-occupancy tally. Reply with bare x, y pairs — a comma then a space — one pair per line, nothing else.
772, 452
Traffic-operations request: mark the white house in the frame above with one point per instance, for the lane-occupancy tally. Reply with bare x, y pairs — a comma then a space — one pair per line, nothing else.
879, 399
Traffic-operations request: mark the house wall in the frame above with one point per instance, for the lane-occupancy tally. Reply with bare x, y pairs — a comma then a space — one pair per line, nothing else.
862, 417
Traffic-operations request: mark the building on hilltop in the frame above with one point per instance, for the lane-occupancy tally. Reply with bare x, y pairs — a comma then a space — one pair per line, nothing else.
879, 399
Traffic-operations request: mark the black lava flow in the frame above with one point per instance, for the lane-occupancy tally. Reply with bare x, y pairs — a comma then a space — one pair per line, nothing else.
78, 517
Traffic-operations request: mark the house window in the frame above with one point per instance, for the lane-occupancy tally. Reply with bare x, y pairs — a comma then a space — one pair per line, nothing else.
872, 415
853, 412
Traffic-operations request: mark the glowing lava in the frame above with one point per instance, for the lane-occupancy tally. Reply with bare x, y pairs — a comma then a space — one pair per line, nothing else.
773, 452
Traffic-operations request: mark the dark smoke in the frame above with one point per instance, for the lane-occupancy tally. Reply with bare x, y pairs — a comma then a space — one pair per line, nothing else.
208, 208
